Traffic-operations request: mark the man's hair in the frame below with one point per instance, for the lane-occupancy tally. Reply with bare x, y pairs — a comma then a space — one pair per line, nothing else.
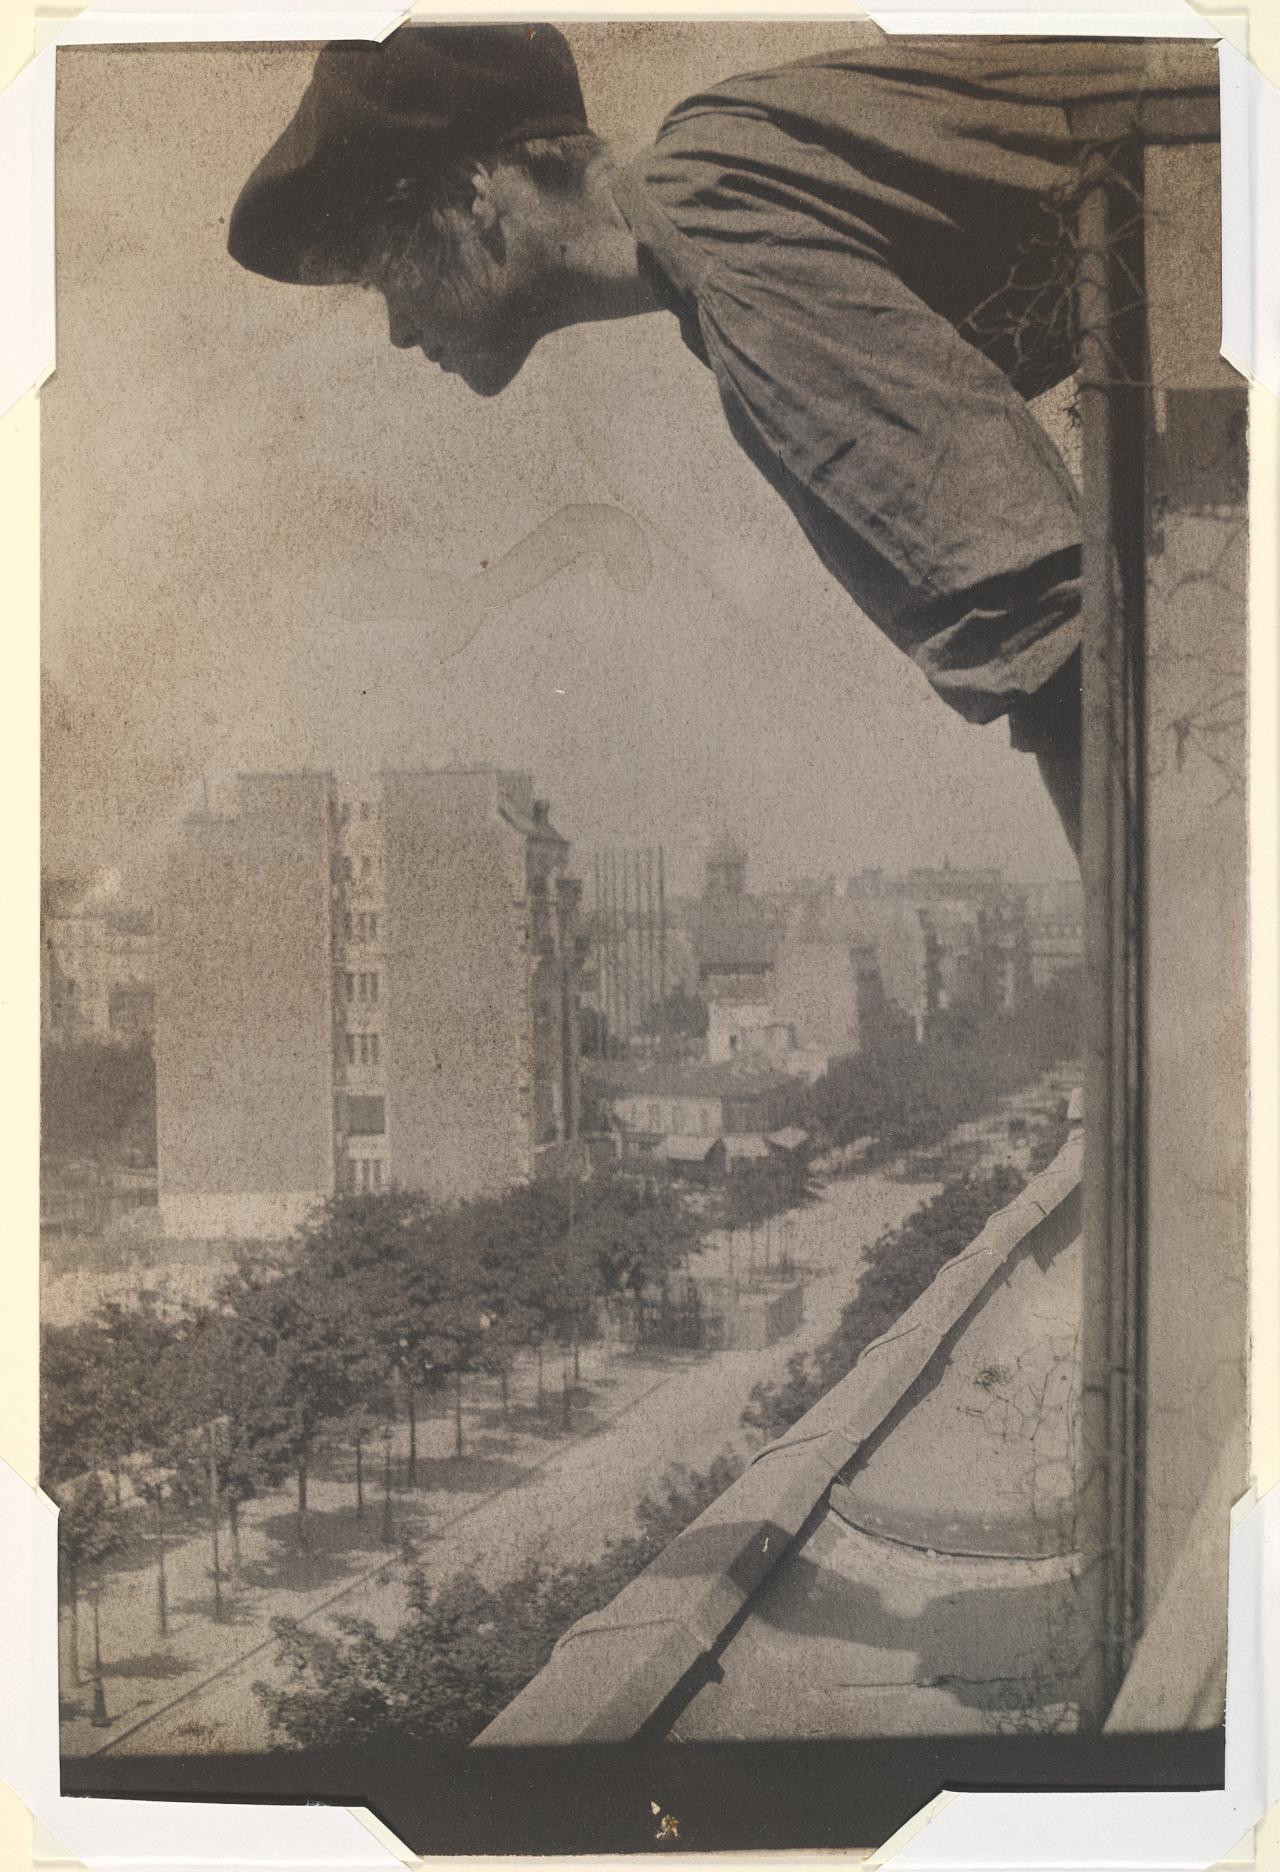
556, 164
388, 226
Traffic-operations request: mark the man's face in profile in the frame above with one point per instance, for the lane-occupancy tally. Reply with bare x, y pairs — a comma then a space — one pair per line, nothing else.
465, 288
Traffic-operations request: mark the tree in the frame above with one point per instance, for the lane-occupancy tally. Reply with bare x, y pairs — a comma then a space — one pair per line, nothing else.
309, 1346
390, 1254
450, 1319
510, 1235
761, 1191
225, 1373
570, 1283
164, 1486
465, 1649
637, 1233
898, 1268
90, 1532
396, 1300
135, 1391
103, 1395
359, 1427
138, 1405
73, 1402
904, 1094
543, 1279
508, 1272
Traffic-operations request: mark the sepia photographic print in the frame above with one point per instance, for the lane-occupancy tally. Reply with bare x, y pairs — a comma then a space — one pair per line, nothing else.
643, 926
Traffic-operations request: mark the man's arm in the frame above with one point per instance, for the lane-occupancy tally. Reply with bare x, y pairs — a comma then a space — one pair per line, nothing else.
920, 476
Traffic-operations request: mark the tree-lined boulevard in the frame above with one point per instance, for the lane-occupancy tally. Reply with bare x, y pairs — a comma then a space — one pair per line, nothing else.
398, 1382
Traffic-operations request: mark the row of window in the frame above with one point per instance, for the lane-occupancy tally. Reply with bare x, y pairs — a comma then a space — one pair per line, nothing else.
362, 807
364, 1173
362, 984
366, 868
360, 925
363, 1049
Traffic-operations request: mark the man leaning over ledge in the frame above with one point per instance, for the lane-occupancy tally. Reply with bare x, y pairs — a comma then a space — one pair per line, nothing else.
872, 251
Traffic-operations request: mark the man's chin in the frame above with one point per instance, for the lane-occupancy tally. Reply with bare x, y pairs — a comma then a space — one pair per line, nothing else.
489, 377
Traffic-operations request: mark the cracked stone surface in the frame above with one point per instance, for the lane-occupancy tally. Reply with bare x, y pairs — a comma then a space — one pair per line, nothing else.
938, 1594
855, 1635
985, 1462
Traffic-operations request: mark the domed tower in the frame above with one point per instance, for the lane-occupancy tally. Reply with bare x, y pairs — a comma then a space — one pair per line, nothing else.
726, 868
734, 939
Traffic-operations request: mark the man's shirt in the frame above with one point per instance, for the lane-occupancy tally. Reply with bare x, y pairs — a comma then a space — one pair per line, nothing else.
874, 252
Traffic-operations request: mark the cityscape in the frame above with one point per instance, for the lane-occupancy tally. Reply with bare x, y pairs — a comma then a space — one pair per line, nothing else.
411, 985
620, 1158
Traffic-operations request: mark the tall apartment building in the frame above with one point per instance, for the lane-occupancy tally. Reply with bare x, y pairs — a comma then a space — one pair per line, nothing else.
361, 986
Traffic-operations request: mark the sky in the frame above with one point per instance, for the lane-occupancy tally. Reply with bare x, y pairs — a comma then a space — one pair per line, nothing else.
261, 520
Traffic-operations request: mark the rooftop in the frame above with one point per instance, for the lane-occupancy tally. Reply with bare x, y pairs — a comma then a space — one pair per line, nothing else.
678, 1149
638, 1078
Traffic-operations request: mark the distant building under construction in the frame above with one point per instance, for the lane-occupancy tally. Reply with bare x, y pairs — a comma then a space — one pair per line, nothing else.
630, 979
360, 987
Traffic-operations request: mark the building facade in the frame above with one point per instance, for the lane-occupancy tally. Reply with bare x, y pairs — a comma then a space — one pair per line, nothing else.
1056, 913
649, 1101
827, 986
946, 939
361, 986
97, 964
749, 1027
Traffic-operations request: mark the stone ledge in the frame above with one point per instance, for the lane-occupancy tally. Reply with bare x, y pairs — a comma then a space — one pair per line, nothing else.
612, 1671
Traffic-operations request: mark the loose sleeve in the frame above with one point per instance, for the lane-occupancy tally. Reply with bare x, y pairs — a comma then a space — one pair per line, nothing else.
920, 476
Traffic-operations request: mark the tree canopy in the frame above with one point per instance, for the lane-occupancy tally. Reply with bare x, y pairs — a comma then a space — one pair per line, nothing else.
381, 1292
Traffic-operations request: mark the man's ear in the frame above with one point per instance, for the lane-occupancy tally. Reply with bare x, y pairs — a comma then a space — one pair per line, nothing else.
485, 212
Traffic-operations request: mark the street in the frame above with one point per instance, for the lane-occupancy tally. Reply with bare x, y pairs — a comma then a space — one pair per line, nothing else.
525, 1487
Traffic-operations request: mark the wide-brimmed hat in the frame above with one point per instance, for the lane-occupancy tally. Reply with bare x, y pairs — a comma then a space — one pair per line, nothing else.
377, 121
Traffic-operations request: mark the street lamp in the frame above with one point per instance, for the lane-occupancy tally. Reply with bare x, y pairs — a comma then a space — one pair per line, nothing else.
161, 1581
150, 1483
213, 1431
483, 1323
100, 1718
388, 1534
407, 1379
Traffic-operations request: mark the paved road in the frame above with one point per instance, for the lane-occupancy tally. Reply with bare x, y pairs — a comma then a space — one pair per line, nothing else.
524, 1488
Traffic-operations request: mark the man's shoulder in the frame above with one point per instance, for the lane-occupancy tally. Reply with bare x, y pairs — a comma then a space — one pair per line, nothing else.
697, 186
998, 71
752, 90
974, 109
